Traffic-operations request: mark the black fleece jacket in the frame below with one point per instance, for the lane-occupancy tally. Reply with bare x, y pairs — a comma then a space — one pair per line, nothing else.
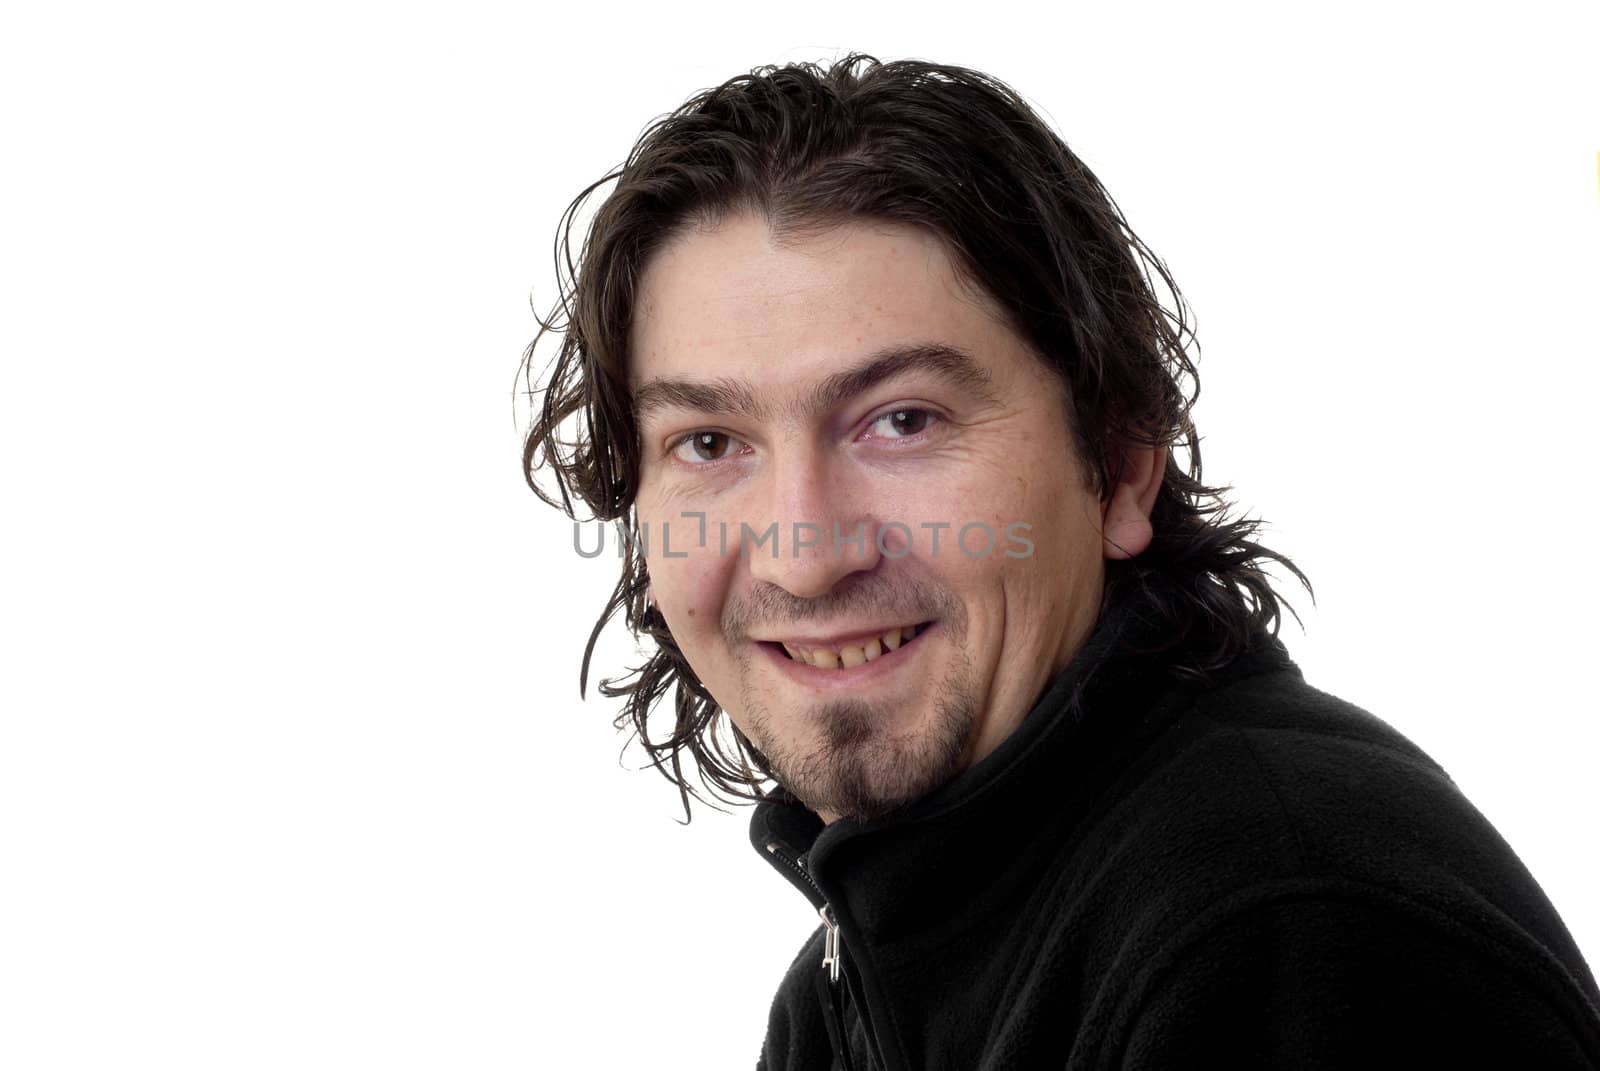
1152, 874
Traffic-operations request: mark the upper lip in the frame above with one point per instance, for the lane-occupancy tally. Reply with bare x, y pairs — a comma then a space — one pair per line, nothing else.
855, 637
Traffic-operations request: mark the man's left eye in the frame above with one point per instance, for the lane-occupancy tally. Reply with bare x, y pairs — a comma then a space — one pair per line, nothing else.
904, 423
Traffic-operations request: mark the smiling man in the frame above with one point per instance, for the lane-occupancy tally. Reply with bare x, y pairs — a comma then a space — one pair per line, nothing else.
874, 378
867, 671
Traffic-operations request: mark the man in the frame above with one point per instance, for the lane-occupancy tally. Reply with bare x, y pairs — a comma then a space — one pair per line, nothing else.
878, 370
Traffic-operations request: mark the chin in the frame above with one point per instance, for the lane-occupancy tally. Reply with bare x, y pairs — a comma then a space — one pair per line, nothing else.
854, 769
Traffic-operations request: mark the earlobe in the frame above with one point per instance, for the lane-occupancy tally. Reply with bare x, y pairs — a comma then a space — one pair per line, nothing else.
1126, 527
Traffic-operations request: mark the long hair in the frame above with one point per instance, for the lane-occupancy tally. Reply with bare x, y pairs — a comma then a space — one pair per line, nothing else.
960, 154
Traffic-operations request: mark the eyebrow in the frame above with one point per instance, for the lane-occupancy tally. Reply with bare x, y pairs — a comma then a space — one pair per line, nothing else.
733, 397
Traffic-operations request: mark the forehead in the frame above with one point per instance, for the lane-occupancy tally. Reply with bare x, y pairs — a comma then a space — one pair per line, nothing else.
731, 299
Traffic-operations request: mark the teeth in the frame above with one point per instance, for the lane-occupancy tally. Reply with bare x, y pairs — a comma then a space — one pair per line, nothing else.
850, 657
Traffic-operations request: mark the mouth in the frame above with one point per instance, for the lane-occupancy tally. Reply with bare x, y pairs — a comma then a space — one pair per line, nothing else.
852, 666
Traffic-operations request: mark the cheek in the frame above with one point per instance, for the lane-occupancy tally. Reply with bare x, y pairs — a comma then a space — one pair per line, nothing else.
681, 593
688, 589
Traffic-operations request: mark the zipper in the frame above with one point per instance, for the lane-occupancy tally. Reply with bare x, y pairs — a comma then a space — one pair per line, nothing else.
832, 943
832, 946
830, 992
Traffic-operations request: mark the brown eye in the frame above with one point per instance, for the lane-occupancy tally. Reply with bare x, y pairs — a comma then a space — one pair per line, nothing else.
904, 423
703, 446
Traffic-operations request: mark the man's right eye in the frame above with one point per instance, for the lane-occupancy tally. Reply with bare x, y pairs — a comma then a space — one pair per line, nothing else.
701, 447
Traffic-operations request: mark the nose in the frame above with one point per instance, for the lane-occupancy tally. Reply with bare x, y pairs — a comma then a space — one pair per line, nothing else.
822, 532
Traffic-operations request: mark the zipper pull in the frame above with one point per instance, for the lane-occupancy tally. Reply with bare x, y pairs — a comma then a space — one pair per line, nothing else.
831, 945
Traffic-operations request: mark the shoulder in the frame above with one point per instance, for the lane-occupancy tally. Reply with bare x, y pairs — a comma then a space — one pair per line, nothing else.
1328, 790
1351, 976
1268, 774
1260, 777
1287, 851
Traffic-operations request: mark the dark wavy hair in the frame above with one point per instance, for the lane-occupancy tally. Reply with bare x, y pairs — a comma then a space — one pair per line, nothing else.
962, 155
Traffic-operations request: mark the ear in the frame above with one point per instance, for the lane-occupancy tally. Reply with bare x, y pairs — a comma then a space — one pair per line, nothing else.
1125, 526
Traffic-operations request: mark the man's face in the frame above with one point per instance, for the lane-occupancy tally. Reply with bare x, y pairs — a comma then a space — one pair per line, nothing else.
889, 459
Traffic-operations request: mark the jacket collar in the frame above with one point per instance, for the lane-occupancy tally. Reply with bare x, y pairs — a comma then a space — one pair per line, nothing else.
976, 839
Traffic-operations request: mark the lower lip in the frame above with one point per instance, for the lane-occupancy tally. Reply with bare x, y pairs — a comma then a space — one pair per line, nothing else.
867, 673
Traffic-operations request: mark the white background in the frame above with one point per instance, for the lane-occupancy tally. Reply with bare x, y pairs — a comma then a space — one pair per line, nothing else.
294, 771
